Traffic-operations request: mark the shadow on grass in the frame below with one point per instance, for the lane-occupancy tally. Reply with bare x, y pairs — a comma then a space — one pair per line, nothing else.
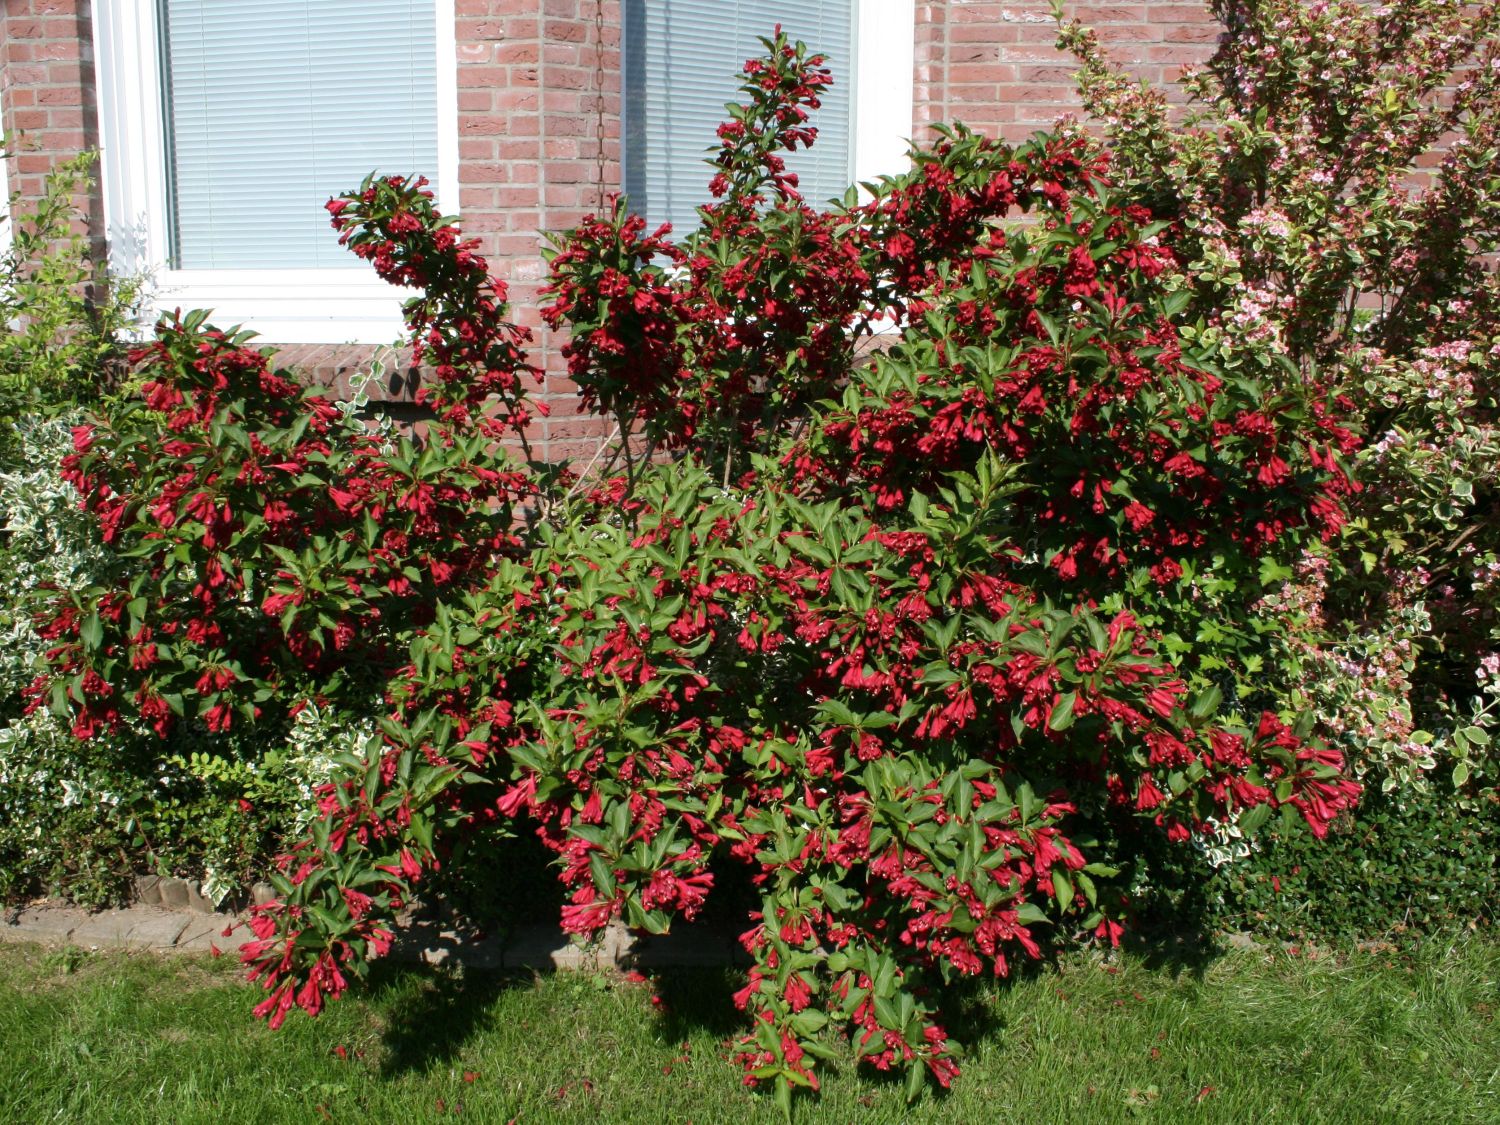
432, 1013
1177, 953
698, 1001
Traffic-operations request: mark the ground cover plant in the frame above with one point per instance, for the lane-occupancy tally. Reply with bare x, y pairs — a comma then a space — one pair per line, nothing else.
122, 1038
874, 636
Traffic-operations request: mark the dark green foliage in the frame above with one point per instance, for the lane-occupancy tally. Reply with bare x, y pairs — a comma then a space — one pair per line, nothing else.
1421, 865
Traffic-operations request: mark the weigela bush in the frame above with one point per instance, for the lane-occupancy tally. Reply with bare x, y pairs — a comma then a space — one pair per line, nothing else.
869, 637
724, 338
280, 552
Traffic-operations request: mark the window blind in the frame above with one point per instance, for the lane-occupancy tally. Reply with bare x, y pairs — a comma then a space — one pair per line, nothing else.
273, 106
683, 62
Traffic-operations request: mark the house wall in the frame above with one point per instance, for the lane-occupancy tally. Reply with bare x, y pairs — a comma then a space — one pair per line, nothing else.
47, 93
539, 98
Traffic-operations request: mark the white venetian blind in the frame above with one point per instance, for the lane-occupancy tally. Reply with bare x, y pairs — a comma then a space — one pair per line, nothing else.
273, 106
683, 62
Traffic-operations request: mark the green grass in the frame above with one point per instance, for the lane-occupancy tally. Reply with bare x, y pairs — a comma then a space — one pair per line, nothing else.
1239, 1037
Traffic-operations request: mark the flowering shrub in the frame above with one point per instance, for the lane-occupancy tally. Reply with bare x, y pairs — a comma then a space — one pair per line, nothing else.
1332, 186
872, 637
280, 552
721, 340
260, 551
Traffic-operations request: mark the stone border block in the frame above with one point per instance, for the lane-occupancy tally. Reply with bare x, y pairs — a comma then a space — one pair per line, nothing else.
147, 889
205, 932
107, 928
45, 924
155, 931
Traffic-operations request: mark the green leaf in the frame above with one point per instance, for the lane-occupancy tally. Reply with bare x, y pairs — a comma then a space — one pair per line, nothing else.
1207, 703
1252, 820
915, 1078
1062, 887
1030, 914
784, 1095
1062, 712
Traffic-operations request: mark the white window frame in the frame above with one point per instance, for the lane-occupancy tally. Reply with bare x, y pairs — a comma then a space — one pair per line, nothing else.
285, 306
884, 76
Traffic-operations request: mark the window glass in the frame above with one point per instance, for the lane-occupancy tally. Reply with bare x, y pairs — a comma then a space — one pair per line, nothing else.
272, 107
683, 62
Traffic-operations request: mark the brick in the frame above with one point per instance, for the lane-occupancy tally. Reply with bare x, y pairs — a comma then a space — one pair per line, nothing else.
1182, 13
470, 76
1174, 54
522, 28
559, 56
565, 31
471, 31
30, 75
1192, 33
69, 51
1035, 75
981, 71
512, 53
59, 95
1095, 15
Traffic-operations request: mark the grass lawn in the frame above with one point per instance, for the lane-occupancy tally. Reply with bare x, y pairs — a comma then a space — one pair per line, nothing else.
1238, 1037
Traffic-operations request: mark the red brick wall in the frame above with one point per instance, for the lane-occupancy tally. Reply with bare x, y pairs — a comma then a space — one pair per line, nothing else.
47, 92
529, 76
528, 102
996, 67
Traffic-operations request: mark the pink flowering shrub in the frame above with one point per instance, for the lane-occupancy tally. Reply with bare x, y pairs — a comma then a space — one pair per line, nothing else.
877, 635
1332, 186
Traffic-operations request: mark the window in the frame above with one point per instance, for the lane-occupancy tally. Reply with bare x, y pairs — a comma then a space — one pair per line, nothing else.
227, 124
682, 64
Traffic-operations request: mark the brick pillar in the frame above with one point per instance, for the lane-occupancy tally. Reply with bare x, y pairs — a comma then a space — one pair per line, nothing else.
47, 94
929, 95
528, 89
